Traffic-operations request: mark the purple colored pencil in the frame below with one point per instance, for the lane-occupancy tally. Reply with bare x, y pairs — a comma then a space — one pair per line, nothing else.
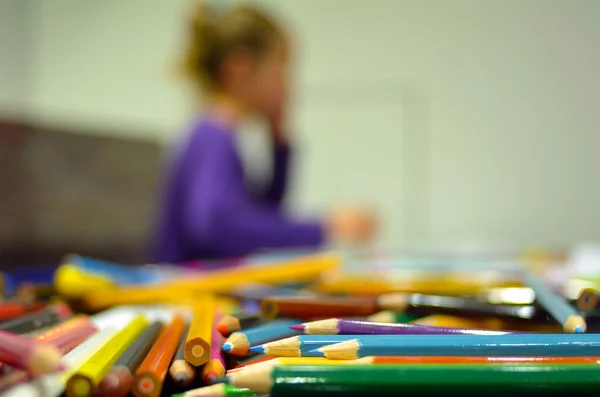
335, 326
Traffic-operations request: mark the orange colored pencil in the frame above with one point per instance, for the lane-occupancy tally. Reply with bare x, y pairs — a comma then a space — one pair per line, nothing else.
150, 375
475, 360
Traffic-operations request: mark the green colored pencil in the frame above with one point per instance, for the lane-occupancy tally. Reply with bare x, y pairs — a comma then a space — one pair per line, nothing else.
419, 379
220, 389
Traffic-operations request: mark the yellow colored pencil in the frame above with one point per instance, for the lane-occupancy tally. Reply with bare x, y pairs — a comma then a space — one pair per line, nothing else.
199, 337
182, 290
292, 361
85, 380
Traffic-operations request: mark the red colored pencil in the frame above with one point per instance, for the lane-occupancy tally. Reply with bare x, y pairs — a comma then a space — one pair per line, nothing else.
15, 308
215, 367
27, 354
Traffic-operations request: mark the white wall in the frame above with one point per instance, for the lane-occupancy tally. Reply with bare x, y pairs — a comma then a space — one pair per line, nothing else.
461, 120
14, 53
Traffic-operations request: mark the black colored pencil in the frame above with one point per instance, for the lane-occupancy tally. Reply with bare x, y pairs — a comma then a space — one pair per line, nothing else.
51, 315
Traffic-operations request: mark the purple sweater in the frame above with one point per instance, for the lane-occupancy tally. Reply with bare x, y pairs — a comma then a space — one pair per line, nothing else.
208, 210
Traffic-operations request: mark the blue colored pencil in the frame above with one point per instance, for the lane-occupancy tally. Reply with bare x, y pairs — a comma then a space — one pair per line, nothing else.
557, 306
300, 346
239, 342
514, 345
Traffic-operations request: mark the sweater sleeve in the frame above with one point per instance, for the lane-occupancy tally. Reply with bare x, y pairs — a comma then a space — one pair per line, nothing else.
275, 190
221, 216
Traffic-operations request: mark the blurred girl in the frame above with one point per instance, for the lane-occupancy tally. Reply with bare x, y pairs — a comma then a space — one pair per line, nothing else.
238, 58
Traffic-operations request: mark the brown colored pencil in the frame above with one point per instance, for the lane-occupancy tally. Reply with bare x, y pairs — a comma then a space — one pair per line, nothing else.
180, 371
317, 307
34, 357
150, 376
119, 379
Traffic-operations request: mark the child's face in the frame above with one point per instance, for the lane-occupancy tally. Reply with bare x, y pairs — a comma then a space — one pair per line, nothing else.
269, 81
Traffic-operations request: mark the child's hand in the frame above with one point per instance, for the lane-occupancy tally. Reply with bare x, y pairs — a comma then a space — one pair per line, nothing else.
351, 224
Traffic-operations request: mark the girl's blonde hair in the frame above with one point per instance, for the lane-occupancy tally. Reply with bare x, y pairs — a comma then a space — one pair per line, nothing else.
215, 33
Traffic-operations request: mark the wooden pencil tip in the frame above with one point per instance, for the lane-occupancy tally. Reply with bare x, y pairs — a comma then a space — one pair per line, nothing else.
257, 349
298, 327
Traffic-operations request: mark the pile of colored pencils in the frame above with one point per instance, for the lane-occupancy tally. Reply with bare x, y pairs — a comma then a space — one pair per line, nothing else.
247, 331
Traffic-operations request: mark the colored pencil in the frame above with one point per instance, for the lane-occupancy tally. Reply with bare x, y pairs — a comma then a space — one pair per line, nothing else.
277, 361
317, 307
181, 371
301, 345
15, 308
558, 308
30, 292
229, 324
239, 343
516, 345
258, 292
36, 358
87, 378
65, 337
420, 304
198, 340
70, 334
344, 380
335, 326
216, 366
13, 378
249, 360
53, 385
390, 316
301, 268
119, 379
217, 390
588, 300
472, 360
52, 314
150, 375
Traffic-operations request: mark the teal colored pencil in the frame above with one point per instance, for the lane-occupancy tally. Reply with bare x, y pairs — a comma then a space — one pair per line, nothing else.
299, 346
513, 345
557, 306
239, 342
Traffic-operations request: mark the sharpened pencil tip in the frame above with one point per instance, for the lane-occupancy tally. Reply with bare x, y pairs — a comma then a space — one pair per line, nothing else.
223, 379
316, 353
257, 349
178, 395
227, 347
298, 327
578, 329
222, 329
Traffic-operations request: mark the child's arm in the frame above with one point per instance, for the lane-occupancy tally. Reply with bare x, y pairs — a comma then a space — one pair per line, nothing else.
220, 215
275, 190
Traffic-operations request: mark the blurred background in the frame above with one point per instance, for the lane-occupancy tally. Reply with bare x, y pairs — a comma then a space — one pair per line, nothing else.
462, 122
